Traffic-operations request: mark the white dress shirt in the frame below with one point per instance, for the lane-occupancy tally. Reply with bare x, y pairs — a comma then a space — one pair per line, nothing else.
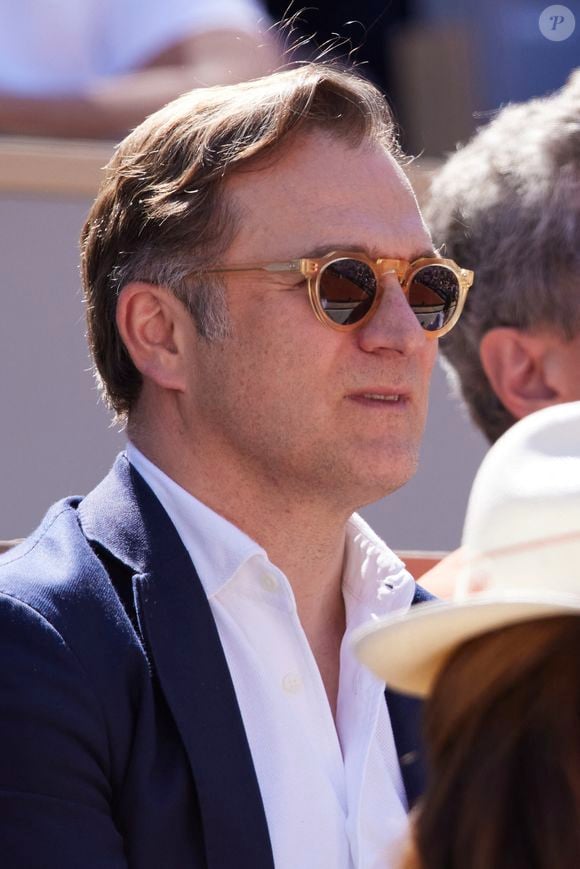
332, 789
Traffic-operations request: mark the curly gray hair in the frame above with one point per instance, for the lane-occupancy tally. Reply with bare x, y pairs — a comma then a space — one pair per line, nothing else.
507, 205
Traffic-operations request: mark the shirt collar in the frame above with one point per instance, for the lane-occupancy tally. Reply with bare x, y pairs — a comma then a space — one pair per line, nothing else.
217, 547
375, 581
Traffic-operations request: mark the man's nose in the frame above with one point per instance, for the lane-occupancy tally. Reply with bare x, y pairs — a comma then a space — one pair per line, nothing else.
393, 326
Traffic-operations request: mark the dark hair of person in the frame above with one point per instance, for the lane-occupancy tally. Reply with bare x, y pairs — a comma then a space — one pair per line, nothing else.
503, 736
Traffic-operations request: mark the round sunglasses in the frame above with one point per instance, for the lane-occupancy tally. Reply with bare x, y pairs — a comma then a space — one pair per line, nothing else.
345, 288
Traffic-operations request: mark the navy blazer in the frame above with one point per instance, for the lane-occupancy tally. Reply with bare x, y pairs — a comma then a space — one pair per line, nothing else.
121, 740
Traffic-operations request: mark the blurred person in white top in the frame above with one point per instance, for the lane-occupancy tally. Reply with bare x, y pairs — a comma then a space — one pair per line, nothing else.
96, 68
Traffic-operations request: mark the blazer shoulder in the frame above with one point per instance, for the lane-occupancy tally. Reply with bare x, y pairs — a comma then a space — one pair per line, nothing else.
57, 573
54, 559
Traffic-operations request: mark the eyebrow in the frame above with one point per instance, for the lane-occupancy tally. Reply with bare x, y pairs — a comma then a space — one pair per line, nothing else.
372, 253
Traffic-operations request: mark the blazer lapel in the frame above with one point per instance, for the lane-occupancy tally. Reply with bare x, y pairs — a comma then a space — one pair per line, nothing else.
181, 638
406, 720
405, 714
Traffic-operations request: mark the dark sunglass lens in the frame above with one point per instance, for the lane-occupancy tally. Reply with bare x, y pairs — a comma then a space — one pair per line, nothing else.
347, 290
433, 296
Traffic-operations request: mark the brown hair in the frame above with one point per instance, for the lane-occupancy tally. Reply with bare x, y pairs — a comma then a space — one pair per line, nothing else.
503, 734
160, 216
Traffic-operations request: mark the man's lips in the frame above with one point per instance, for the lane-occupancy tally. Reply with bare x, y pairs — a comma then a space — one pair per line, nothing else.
380, 397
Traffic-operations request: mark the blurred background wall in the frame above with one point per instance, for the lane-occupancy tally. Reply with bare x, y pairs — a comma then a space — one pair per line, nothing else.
54, 437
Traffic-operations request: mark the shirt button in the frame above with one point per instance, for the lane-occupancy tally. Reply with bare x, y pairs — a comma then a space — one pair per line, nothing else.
292, 683
268, 582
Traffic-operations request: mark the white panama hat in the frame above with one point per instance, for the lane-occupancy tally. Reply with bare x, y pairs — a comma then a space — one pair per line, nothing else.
522, 544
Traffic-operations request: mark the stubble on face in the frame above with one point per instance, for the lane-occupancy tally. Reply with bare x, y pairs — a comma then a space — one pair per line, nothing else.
273, 399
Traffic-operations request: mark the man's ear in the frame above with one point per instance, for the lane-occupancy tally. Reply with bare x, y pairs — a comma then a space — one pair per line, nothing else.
152, 322
514, 362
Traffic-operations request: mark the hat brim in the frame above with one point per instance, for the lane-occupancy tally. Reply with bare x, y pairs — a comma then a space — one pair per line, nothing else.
407, 650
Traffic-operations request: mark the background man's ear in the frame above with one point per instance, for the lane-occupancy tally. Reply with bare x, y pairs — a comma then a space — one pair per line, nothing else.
515, 364
151, 323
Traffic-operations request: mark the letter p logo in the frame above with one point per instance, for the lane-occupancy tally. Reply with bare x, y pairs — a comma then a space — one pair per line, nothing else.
557, 23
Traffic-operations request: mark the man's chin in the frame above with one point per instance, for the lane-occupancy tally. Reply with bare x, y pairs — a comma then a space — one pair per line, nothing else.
383, 479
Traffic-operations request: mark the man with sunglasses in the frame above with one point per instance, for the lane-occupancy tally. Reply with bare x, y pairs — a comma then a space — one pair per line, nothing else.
179, 689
